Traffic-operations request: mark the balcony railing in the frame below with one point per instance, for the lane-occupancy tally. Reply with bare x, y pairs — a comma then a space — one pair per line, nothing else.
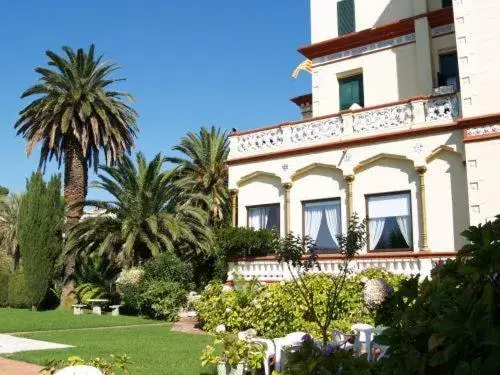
269, 270
347, 125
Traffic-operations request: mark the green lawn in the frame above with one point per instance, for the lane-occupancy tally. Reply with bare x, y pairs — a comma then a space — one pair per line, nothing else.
17, 320
153, 349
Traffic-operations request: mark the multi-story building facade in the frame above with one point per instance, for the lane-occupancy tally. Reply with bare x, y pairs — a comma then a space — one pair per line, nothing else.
402, 127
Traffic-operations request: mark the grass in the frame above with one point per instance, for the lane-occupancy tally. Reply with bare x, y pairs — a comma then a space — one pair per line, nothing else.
152, 350
17, 320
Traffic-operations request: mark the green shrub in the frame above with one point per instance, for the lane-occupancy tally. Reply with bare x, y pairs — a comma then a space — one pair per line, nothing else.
276, 309
18, 296
168, 267
87, 291
245, 242
449, 324
163, 299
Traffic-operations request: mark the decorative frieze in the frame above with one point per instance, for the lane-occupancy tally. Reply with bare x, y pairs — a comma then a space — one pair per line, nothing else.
316, 130
442, 30
383, 118
483, 130
350, 123
442, 108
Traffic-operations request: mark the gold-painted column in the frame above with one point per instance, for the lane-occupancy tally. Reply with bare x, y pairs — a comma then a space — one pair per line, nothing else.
234, 206
349, 199
423, 207
286, 187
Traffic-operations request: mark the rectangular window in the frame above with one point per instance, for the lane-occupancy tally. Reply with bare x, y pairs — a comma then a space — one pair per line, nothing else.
264, 217
322, 223
447, 3
351, 91
346, 20
448, 67
389, 221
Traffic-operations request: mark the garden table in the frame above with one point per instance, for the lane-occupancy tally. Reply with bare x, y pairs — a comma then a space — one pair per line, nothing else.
97, 305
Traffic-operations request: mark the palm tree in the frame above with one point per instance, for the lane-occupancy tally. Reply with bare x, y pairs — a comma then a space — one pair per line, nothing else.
202, 169
9, 228
74, 116
142, 220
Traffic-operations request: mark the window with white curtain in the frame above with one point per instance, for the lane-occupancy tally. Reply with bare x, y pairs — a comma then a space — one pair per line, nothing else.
322, 223
264, 217
389, 221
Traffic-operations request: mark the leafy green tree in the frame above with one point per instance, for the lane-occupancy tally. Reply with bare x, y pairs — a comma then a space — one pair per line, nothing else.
9, 228
74, 116
3, 191
202, 169
142, 220
41, 215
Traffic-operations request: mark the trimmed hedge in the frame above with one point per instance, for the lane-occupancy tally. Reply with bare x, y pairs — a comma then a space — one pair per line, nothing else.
18, 296
245, 242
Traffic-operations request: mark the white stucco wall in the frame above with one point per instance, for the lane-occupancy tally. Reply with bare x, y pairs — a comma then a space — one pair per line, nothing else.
447, 213
483, 173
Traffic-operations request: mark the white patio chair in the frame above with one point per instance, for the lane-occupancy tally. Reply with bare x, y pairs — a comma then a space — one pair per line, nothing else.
364, 333
341, 340
269, 354
289, 343
79, 370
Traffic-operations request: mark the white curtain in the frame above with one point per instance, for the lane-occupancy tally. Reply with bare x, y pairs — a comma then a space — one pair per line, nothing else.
375, 228
313, 215
404, 227
258, 217
332, 213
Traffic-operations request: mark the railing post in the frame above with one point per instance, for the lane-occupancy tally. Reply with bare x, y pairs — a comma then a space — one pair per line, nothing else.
418, 111
348, 124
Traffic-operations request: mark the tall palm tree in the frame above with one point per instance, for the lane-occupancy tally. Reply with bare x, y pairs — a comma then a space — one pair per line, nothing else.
75, 115
9, 228
142, 220
202, 169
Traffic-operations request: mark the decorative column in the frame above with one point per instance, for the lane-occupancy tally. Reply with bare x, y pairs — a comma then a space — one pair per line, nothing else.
286, 187
423, 207
349, 204
233, 193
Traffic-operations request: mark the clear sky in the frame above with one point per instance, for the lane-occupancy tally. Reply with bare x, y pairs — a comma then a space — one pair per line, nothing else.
189, 63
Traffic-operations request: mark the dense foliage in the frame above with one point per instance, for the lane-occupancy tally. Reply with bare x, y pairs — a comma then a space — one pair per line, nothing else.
157, 290
450, 324
277, 309
40, 234
202, 170
18, 293
142, 220
239, 242
9, 228
3, 191
314, 359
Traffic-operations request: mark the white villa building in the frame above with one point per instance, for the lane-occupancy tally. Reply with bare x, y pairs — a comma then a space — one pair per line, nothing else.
402, 127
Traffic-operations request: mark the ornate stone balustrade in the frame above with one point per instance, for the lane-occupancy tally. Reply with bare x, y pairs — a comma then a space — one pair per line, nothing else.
269, 270
347, 125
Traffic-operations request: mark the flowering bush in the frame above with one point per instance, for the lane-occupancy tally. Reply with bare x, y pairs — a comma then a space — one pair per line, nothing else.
276, 309
131, 276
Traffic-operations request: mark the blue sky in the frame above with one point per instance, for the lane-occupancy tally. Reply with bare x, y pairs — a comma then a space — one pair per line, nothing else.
189, 63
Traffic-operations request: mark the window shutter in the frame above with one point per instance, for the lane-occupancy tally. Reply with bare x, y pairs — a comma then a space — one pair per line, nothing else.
346, 17
351, 91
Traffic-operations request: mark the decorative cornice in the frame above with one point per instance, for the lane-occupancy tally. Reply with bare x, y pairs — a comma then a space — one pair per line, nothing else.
302, 100
377, 34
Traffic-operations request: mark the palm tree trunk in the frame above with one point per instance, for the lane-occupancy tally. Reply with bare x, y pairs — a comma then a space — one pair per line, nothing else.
75, 192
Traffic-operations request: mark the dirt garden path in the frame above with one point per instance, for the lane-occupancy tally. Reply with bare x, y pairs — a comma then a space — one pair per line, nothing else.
10, 367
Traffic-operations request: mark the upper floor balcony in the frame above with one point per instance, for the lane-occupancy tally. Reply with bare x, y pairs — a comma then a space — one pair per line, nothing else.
350, 125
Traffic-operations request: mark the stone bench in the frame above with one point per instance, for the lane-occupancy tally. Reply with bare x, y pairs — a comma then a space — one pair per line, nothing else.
115, 310
78, 309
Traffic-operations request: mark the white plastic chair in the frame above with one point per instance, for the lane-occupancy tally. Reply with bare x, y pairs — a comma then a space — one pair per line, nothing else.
364, 333
340, 340
290, 342
269, 354
79, 370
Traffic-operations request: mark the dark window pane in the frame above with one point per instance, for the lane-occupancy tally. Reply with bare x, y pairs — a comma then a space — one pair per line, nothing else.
448, 75
346, 17
351, 91
391, 237
447, 3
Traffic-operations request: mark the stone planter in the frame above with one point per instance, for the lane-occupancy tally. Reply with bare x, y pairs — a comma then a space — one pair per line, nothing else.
224, 368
